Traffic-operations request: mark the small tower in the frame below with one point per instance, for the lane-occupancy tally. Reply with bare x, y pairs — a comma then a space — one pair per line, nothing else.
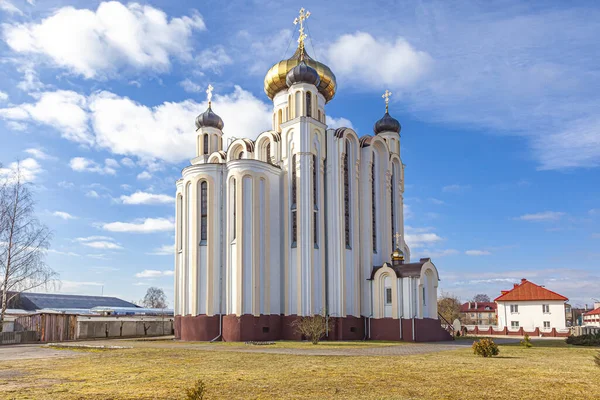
209, 128
388, 127
397, 255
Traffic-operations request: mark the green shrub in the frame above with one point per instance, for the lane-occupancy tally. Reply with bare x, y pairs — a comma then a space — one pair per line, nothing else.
526, 342
485, 348
196, 392
585, 340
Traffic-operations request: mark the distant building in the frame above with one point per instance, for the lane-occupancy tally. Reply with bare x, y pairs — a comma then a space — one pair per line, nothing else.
592, 318
478, 313
530, 306
43, 301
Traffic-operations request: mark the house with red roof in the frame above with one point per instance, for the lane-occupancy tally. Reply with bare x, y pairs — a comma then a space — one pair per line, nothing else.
478, 313
530, 306
592, 318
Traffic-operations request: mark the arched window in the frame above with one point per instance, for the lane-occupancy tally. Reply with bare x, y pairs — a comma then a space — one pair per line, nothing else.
241, 155
203, 212
279, 119
373, 206
393, 205
297, 104
308, 104
205, 140
234, 206
289, 108
294, 197
319, 115
347, 196
269, 153
315, 201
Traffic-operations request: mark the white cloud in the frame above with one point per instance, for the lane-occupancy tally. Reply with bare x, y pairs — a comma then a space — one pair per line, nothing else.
144, 175
97, 43
541, 216
99, 242
63, 253
63, 215
420, 237
64, 110
82, 164
153, 273
438, 253
3, 96
455, 188
165, 250
66, 184
147, 225
360, 59
128, 162
7, 6
147, 198
29, 169
39, 154
477, 253
213, 59
189, 86
92, 193
334, 123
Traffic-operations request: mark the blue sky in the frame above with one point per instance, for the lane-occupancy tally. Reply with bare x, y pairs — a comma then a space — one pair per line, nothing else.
498, 105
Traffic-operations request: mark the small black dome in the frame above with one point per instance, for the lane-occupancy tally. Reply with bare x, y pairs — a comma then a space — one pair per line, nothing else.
302, 73
387, 124
209, 119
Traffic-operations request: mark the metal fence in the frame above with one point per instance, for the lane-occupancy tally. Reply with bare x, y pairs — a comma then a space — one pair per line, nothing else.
18, 337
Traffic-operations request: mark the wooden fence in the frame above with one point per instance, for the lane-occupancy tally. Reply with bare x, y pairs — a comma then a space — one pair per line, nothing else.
50, 327
18, 337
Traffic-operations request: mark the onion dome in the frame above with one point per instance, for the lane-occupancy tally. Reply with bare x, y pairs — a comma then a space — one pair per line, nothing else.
397, 255
209, 119
275, 79
387, 124
302, 73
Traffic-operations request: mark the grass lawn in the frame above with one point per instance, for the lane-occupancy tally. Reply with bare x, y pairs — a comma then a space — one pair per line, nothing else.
549, 370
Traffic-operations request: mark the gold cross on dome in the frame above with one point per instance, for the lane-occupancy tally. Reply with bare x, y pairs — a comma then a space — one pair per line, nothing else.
386, 96
209, 91
302, 15
398, 237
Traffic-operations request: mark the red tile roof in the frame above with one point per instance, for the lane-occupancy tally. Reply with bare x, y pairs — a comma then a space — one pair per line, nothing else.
593, 312
529, 291
481, 306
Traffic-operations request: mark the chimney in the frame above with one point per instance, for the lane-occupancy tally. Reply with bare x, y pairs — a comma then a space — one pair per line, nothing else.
523, 280
469, 305
476, 305
515, 285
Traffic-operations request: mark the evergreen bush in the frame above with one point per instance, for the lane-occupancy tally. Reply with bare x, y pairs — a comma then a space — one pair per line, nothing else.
196, 392
585, 340
485, 348
526, 342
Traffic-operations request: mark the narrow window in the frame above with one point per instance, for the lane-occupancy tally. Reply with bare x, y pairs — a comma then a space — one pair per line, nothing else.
294, 212
269, 152
347, 196
393, 206
319, 115
388, 296
514, 308
279, 119
545, 308
241, 155
547, 324
203, 211
315, 201
424, 297
180, 222
205, 149
308, 104
234, 202
373, 205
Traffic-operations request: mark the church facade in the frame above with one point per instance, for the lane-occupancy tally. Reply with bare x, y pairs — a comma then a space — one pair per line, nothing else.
303, 220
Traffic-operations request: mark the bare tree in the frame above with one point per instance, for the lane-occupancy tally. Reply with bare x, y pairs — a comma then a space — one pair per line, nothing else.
155, 298
23, 242
481, 298
449, 307
313, 327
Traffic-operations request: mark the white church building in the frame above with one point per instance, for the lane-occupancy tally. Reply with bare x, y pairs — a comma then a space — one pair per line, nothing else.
303, 220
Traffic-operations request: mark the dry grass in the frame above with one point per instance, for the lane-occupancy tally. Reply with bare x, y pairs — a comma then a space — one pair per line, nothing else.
549, 370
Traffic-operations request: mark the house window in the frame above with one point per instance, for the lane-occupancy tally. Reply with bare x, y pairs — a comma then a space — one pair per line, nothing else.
347, 196
514, 308
547, 324
294, 196
205, 149
514, 324
546, 308
315, 201
203, 212
373, 205
388, 296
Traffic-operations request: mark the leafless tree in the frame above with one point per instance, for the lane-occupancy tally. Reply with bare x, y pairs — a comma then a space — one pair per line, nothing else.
313, 327
449, 307
155, 298
481, 298
23, 242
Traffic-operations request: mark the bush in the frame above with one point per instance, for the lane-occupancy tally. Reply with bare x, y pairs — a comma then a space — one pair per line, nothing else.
314, 328
585, 340
197, 392
485, 348
526, 342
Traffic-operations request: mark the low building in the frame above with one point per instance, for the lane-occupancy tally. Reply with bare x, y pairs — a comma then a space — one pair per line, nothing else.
592, 318
478, 313
28, 301
530, 306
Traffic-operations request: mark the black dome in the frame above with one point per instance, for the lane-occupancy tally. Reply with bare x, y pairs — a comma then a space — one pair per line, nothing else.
387, 124
209, 119
302, 73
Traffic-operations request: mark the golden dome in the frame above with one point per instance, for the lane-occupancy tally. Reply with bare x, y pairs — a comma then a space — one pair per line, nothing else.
275, 78
397, 255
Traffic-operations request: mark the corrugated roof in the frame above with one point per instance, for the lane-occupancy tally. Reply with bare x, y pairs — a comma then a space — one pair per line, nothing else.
38, 301
529, 291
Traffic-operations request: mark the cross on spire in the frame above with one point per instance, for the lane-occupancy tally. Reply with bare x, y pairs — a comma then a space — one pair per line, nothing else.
387, 96
398, 237
302, 15
209, 91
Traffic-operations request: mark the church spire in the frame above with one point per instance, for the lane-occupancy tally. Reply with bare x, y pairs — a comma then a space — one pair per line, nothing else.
302, 16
